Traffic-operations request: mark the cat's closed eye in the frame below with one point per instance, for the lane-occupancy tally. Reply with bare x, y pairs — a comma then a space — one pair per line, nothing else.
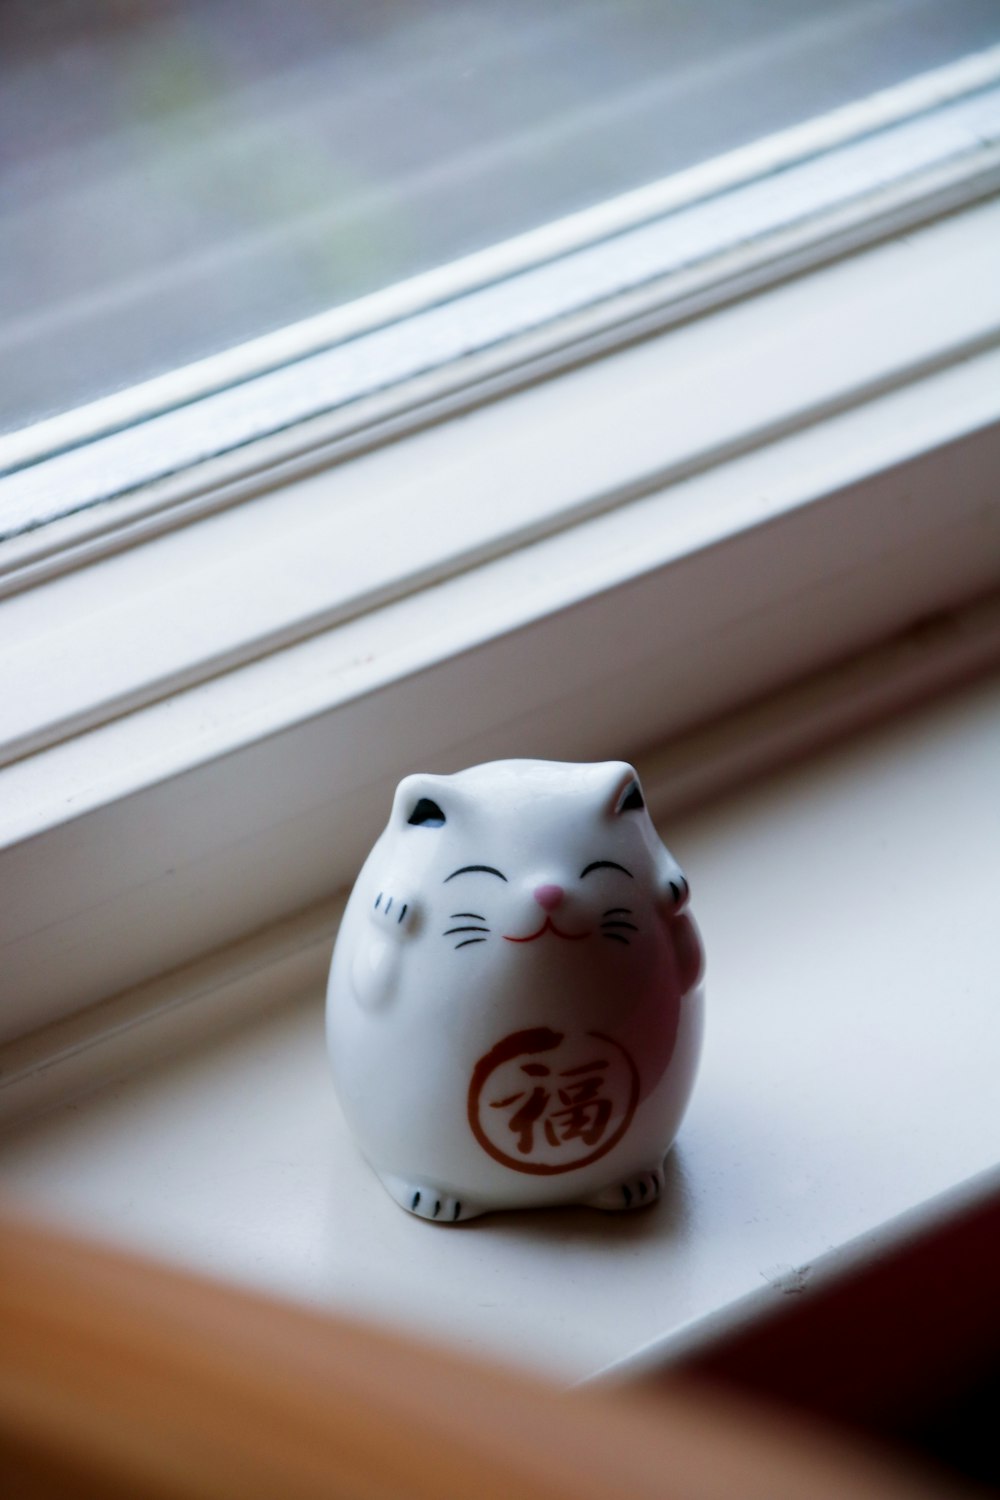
476, 870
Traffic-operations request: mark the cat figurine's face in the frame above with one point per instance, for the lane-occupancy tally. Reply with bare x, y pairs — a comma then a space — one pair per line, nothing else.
518, 923
525, 853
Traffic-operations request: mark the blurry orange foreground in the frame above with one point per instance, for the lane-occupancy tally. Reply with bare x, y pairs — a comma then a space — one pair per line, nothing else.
120, 1377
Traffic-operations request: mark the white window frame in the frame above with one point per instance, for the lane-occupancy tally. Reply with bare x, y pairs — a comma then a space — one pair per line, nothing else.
206, 704
101, 476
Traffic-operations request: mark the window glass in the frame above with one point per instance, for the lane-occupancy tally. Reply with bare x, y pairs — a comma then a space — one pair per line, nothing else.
177, 176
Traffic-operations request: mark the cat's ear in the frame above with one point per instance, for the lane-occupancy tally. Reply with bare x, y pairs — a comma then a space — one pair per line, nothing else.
421, 801
427, 814
631, 799
626, 795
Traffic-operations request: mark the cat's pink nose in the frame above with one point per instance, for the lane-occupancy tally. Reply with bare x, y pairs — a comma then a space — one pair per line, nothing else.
549, 896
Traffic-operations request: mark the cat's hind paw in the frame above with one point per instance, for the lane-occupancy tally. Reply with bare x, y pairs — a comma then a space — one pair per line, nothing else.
428, 1202
639, 1191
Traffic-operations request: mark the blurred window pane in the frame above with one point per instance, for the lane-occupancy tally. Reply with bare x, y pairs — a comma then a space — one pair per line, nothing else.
177, 176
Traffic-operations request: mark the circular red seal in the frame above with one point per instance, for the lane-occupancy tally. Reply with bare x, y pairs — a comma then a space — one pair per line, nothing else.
545, 1102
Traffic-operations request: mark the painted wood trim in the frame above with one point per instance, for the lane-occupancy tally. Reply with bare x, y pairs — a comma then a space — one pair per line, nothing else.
874, 168
76, 1053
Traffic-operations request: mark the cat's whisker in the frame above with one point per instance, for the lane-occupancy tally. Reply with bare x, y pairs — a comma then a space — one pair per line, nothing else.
612, 911
618, 922
475, 915
452, 930
613, 937
467, 941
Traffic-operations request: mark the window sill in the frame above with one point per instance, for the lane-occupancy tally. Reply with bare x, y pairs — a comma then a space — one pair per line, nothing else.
848, 909
207, 733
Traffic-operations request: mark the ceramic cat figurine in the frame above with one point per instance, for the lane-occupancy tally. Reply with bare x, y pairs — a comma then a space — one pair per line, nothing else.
514, 1012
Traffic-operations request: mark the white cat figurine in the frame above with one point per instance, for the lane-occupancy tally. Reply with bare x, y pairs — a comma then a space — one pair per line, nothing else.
514, 1012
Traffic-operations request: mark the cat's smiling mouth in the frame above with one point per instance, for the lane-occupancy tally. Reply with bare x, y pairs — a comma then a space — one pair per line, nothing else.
547, 926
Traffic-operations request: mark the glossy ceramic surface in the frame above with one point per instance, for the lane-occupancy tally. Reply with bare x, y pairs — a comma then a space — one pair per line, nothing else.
514, 1010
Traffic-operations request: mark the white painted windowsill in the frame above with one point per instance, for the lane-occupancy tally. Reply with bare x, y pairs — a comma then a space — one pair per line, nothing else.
717, 515
850, 915
618, 478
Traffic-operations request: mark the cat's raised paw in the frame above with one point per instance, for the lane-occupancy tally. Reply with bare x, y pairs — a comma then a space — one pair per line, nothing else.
429, 1202
394, 915
639, 1191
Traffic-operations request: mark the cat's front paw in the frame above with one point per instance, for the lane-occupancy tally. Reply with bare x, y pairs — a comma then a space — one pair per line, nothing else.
688, 952
378, 959
394, 915
632, 1192
674, 889
425, 1201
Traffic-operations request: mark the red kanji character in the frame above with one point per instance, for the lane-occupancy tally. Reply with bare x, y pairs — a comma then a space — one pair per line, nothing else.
522, 1122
